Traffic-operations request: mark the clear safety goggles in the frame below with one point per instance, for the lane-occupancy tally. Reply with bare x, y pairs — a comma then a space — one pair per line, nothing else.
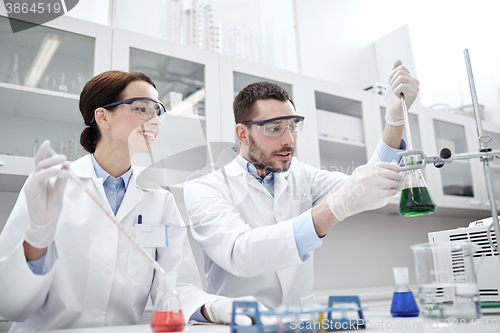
277, 126
142, 107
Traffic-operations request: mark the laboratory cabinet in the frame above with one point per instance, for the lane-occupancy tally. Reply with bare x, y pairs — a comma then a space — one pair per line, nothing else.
342, 125
42, 71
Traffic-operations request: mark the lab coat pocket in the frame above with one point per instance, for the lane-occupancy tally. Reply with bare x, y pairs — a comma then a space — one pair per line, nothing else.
139, 270
295, 208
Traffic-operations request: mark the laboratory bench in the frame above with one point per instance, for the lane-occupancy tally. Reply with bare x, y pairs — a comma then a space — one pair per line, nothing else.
378, 319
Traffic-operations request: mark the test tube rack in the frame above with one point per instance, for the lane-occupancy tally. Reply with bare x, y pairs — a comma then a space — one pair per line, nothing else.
343, 305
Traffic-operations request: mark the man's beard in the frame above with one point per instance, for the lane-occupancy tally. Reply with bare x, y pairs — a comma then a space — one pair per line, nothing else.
261, 161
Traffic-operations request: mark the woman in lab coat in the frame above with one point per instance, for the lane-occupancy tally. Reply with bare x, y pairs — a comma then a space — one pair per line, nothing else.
63, 263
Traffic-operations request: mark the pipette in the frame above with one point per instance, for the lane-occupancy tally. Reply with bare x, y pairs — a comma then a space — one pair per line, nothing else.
407, 124
153, 262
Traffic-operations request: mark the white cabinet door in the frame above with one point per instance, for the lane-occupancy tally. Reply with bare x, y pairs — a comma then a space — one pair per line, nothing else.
457, 184
236, 74
188, 84
340, 124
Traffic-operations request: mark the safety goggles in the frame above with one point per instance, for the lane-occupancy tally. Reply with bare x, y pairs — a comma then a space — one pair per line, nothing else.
277, 126
142, 107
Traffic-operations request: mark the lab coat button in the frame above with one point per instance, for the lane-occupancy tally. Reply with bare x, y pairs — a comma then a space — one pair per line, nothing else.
278, 214
108, 271
291, 249
96, 313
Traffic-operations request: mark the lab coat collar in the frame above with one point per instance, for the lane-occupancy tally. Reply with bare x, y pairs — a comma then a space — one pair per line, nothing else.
84, 168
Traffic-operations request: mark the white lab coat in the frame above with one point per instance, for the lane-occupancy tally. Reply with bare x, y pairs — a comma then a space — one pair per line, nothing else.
247, 236
98, 278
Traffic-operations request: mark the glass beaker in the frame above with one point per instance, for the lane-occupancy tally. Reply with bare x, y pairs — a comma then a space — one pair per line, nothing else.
403, 302
13, 75
447, 282
415, 197
167, 315
62, 83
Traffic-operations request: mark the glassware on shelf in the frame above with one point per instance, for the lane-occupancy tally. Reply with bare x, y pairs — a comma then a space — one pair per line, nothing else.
167, 313
13, 75
415, 198
48, 83
403, 302
80, 83
62, 83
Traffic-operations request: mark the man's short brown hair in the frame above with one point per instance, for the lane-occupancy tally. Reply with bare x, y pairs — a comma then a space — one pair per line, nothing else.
243, 105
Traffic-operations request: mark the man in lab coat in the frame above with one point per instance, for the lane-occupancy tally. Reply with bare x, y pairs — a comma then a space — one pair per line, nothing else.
259, 213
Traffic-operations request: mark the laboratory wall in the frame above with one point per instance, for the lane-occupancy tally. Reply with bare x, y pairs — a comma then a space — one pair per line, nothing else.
359, 253
336, 44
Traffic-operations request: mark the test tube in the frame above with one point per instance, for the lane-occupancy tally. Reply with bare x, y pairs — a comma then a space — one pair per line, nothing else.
151, 260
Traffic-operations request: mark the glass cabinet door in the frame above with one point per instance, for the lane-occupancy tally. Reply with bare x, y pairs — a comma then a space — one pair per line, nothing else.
340, 133
414, 128
456, 177
42, 71
242, 80
180, 147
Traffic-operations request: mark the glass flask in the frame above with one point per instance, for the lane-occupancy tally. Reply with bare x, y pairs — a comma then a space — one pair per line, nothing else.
403, 302
13, 75
415, 197
62, 83
167, 314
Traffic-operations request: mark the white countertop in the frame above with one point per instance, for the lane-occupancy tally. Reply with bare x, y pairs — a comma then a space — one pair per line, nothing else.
379, 319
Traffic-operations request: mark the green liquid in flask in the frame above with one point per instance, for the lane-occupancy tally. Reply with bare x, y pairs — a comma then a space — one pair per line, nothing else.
415, 201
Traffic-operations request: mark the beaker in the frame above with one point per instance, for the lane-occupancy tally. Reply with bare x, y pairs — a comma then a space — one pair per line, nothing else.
62, 83
415, 197
167, 315
13, 75
403, 302
447, 282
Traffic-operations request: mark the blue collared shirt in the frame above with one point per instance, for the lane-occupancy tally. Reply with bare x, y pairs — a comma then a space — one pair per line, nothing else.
306, 237
113, 187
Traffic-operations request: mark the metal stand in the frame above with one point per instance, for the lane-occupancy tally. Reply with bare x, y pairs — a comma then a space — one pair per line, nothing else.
485, 155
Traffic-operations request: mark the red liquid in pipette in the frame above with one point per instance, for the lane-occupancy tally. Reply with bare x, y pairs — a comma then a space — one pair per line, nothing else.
167, 321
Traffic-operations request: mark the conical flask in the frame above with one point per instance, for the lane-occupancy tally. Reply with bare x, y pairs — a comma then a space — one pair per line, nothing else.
415, 198
403, 302
167, 315
13, 75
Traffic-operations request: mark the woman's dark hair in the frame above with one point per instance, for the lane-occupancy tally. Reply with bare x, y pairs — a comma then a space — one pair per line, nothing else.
103, 89
243, 105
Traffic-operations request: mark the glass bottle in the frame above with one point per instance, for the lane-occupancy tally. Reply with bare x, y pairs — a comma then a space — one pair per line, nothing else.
415, 197
80, 83
13, 75
62, 84
167, 314
403, 302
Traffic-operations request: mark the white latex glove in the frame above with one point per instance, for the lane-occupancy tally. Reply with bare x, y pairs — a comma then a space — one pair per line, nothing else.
44, 197
367, 185
220, 311
400, 82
